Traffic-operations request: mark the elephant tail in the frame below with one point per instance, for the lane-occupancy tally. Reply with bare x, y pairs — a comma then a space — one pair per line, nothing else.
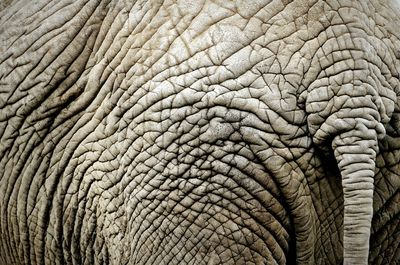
353, 133
355, 152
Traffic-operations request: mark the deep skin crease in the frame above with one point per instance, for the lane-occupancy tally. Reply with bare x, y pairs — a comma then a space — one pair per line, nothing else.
199, 132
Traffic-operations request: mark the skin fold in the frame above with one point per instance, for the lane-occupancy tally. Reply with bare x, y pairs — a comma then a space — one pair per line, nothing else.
199, 132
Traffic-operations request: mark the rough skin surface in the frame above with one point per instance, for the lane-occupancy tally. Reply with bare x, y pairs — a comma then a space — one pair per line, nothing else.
199, 132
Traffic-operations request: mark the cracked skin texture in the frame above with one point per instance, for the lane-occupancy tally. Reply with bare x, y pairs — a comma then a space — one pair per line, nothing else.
198, 132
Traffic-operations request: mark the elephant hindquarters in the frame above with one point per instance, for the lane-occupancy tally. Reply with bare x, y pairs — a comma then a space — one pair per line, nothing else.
198, 193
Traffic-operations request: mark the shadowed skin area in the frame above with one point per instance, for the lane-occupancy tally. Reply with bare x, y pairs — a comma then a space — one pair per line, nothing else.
199, 132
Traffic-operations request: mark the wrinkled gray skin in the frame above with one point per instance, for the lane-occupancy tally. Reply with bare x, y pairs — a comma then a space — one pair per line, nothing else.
199, 133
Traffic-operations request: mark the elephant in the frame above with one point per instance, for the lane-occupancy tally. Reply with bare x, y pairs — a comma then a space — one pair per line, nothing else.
199, 132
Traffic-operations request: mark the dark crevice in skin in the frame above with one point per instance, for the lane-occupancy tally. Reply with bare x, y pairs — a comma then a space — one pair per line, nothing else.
332, 177
392, 128
378, 225
378, 239
387, 238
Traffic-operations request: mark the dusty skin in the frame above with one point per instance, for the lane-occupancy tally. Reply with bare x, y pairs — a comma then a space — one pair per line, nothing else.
199, 132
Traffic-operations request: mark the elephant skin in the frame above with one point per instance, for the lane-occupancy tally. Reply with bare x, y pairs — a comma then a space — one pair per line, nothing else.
199, 132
